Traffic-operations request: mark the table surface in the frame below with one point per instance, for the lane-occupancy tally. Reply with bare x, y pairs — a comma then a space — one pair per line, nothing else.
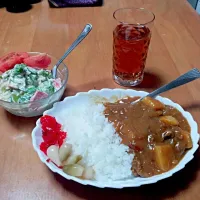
175, 49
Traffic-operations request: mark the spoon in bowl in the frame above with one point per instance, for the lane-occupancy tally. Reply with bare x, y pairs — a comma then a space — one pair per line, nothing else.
82, 35
181, 80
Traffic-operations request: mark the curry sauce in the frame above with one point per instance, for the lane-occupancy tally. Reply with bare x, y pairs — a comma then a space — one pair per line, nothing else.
157, 134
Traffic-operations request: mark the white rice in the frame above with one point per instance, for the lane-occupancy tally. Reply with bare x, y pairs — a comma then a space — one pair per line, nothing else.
93, 137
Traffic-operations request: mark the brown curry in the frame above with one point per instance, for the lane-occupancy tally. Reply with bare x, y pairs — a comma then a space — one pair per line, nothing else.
158, 134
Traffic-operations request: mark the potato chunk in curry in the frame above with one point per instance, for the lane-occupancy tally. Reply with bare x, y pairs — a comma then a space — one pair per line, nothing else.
153, 103
164, 156
169, 120
187, 138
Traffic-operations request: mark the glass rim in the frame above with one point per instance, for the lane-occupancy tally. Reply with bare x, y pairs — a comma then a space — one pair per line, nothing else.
136, 8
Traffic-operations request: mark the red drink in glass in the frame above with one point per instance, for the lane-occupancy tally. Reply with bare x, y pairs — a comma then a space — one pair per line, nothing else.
130, 48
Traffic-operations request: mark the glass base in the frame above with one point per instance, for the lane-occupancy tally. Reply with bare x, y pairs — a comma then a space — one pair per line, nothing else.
127, 83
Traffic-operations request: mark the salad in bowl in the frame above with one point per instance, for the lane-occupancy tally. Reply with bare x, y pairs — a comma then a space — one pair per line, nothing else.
27, 87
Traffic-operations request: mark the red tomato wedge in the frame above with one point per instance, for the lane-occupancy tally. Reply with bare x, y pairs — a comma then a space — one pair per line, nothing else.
10, 60
22, 55
38, 61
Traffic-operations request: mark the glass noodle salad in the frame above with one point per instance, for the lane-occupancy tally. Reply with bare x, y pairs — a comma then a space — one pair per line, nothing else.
22, 83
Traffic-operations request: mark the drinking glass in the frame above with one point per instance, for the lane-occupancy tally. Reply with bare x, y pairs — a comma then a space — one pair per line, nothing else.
131, 39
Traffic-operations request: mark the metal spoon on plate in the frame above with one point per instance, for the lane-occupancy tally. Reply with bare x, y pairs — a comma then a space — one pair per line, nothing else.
181, 80
82, 35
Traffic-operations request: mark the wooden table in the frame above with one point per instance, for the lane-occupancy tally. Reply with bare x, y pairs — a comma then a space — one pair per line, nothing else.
175, 48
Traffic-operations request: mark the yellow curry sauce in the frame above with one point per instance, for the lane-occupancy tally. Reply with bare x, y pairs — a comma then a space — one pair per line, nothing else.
158, 134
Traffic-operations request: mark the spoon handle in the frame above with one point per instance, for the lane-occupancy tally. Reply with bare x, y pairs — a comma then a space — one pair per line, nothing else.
82, 35
181, 80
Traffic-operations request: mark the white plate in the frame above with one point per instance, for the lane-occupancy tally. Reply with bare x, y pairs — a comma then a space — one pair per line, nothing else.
109, 94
